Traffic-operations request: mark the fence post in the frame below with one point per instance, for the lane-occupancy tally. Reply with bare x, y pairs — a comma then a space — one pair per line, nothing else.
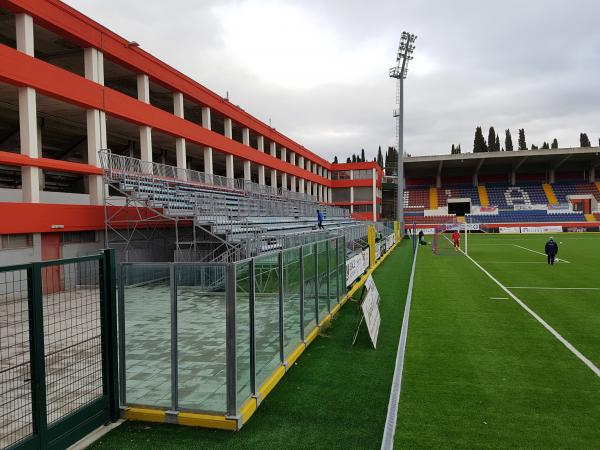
371, 238
36, 349
230, 350
316, 272
328, 249
281, 306
301, 274
174, 350
109, 275
251, 308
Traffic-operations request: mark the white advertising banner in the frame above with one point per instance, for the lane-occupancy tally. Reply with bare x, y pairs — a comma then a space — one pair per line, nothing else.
370, 310
365, 257
379, 249
509, 229
390, 241
462, 226
542, 229
529, 207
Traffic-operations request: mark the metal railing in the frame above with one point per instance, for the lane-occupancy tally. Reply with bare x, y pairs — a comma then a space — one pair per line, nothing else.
118, 166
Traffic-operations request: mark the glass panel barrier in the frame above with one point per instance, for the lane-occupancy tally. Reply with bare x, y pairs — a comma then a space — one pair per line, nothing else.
147, 334
322, 258
266, 313
333, 273
309, 288
342, 266
242, 331
291, 300
202, 368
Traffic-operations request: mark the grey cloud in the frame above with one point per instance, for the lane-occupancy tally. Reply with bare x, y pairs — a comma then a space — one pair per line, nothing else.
510, 64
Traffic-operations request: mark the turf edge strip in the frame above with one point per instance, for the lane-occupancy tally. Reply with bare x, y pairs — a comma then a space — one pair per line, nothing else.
552, 331
387, 442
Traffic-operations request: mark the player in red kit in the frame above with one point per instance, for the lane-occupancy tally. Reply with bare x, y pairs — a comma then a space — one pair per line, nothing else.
456, 240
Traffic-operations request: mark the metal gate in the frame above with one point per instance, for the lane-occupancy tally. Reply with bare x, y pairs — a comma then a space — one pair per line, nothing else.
58, 351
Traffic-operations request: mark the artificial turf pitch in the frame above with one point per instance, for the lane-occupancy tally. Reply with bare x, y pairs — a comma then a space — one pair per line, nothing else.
479, 371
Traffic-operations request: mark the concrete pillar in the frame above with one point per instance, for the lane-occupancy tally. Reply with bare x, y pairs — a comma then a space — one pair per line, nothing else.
284, 154
301, 182
374, 173
273, 153
320, 192
28, 126
309, 188
208, 157
301, 162
293, 183
330, 195
513, 178
96, 124
552, 176
260, 144
228, 158
284, 184
143, 92
247, 165
351, 192
593, 175
180, 145
292, 158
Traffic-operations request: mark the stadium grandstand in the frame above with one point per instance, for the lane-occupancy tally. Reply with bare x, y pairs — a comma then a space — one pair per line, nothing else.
102, 144
556, 187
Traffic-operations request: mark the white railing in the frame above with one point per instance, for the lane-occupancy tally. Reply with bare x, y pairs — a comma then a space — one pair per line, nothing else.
118, 166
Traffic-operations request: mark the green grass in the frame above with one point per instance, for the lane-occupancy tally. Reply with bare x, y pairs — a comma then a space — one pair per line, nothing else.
335, 396
481, 372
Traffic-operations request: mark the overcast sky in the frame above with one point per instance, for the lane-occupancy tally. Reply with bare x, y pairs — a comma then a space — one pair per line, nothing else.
319, 69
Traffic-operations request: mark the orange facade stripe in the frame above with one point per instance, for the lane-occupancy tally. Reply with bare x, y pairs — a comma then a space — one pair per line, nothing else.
70, 23
16, 159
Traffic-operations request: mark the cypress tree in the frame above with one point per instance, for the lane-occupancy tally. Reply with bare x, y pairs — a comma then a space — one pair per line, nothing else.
335, 160
508, 143
348, 159
534, 147
554, 144
491, 140
545, 146
497, 145
380, 157
522, 142
353, 158
452, 150
458, 149
362, 155
479, 144
584, 140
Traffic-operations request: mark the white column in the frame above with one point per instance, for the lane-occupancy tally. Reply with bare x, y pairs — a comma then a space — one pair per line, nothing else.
208, 157
293, 183
301, 185
28, 127
309, 187
260, 143
96, 124
284, 180
330, 195
593, 175
374, 172
180, 145
321, 193
247, 166
351, 192
301, 162
228, 158
273, 152
143, 91
284, 154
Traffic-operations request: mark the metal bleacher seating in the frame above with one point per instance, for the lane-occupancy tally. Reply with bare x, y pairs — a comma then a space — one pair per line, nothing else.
526, 216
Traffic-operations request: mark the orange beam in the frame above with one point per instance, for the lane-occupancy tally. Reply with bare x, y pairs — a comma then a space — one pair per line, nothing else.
16, 159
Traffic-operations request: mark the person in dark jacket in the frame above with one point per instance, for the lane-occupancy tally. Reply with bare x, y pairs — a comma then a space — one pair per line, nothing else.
422, 238
551, 250
320, 220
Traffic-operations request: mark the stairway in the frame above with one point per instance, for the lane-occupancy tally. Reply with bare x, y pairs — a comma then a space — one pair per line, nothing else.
483, 195
433, 198
550, 194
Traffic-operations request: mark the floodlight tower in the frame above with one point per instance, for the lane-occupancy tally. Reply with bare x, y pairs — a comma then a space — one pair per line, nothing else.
404, 55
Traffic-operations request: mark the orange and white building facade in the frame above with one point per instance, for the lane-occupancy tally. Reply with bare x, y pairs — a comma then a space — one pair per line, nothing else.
70, 87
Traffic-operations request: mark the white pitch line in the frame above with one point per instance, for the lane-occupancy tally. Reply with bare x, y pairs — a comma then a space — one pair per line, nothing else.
512, 262
387, 443
542, 322
540, 253
556, 288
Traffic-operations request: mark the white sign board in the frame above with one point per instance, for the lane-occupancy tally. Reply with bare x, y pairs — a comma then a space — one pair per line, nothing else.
354, 269
390, 240
509, 229
378, 249
370, 310
544, 229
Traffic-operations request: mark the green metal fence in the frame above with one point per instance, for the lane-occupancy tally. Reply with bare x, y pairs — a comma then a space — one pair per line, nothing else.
203, 337
58, 365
